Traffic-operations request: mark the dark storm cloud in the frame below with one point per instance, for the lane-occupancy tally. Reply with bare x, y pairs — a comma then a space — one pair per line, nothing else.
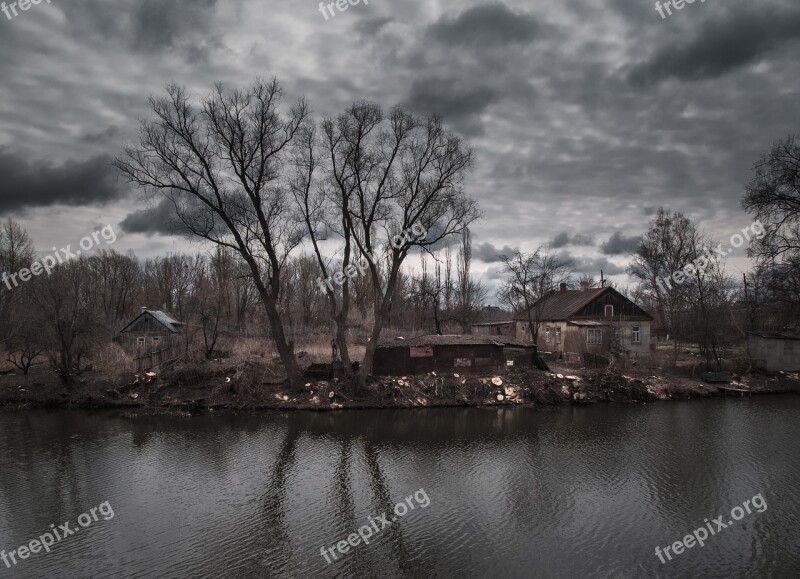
485, 25
102, 137
452, 98
722, 45
619, 244
158, 219
564, 239
25, 184
488, 253
149, 26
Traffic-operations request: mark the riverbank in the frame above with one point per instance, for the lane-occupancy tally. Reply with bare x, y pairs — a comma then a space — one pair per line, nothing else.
250, 386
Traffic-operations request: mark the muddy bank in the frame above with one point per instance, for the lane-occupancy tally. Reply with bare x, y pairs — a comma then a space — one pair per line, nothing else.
250, 386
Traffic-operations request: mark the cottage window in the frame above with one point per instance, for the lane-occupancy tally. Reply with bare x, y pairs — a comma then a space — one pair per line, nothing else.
636, 335
547, 335
594, 336
141, 340
156, 339
558, 335
609, 311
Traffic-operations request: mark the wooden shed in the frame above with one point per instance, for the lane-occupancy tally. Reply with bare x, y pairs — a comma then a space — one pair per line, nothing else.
152, 338
775, 351
451, 353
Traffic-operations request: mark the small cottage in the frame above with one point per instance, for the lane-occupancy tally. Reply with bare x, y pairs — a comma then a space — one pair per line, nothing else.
152, 338
451, 353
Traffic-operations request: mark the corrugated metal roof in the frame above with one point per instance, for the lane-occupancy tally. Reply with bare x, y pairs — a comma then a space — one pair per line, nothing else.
449, 340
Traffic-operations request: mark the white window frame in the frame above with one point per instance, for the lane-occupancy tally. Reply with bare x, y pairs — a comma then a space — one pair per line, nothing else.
598, 339
636, 334
611, 315
141, 340
558, 334
547, 334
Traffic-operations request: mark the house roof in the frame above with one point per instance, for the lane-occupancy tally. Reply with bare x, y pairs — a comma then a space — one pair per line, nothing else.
165, 320
777, 335
449, 340
493, 323
561, 305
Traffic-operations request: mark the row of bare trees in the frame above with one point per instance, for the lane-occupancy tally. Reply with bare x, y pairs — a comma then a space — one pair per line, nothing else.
246, 173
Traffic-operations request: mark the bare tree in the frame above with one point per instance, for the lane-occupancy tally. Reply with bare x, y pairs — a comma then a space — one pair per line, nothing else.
530, 278
382, 177
66, 317
221, 165
16, 252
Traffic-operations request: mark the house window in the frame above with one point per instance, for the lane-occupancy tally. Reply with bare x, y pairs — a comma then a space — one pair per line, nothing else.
594, 336
547, 335
156, 340
558, 335
609, 311
141, 340
636, 335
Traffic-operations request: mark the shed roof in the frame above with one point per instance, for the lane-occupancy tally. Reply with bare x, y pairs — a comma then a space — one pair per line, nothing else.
776, 335
449, 340
171, 324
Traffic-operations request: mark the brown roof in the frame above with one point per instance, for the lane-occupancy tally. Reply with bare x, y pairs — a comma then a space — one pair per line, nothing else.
560, 305
449, 340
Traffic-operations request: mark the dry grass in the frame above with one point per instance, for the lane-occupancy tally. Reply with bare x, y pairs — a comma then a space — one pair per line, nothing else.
112, 355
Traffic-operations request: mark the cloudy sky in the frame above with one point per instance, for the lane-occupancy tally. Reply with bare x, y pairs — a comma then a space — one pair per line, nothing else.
585, 115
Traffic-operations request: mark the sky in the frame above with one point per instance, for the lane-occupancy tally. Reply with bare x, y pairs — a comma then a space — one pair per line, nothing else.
585, 116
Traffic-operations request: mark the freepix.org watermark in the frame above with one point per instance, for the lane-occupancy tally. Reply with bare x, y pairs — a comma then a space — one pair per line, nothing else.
416, 231
49, 538
700, 534
340, 5
700, 264
367, 531
23, 5
676, 4
48, 262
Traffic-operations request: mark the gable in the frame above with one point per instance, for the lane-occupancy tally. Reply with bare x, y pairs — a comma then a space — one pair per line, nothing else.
596, 308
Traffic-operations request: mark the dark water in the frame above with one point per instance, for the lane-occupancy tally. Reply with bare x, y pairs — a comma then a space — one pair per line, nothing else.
567, 492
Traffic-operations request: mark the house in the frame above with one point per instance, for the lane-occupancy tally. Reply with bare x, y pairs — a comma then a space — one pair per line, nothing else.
506, 328
450, 353
775, 351
586, 320
152, 338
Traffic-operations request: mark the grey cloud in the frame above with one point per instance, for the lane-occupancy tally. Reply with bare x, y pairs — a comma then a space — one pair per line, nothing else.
26, 184
487, 252
159, 219
722, 45
485, 25
564, 239
619, 244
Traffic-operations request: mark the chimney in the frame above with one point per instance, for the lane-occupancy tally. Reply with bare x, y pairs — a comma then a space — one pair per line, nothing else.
584, 287
563, 287
144, 309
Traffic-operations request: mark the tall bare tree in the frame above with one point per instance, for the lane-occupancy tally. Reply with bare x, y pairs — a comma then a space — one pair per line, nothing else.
221, 163
382, 178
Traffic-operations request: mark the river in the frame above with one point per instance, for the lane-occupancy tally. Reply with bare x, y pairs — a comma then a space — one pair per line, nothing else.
511, 492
